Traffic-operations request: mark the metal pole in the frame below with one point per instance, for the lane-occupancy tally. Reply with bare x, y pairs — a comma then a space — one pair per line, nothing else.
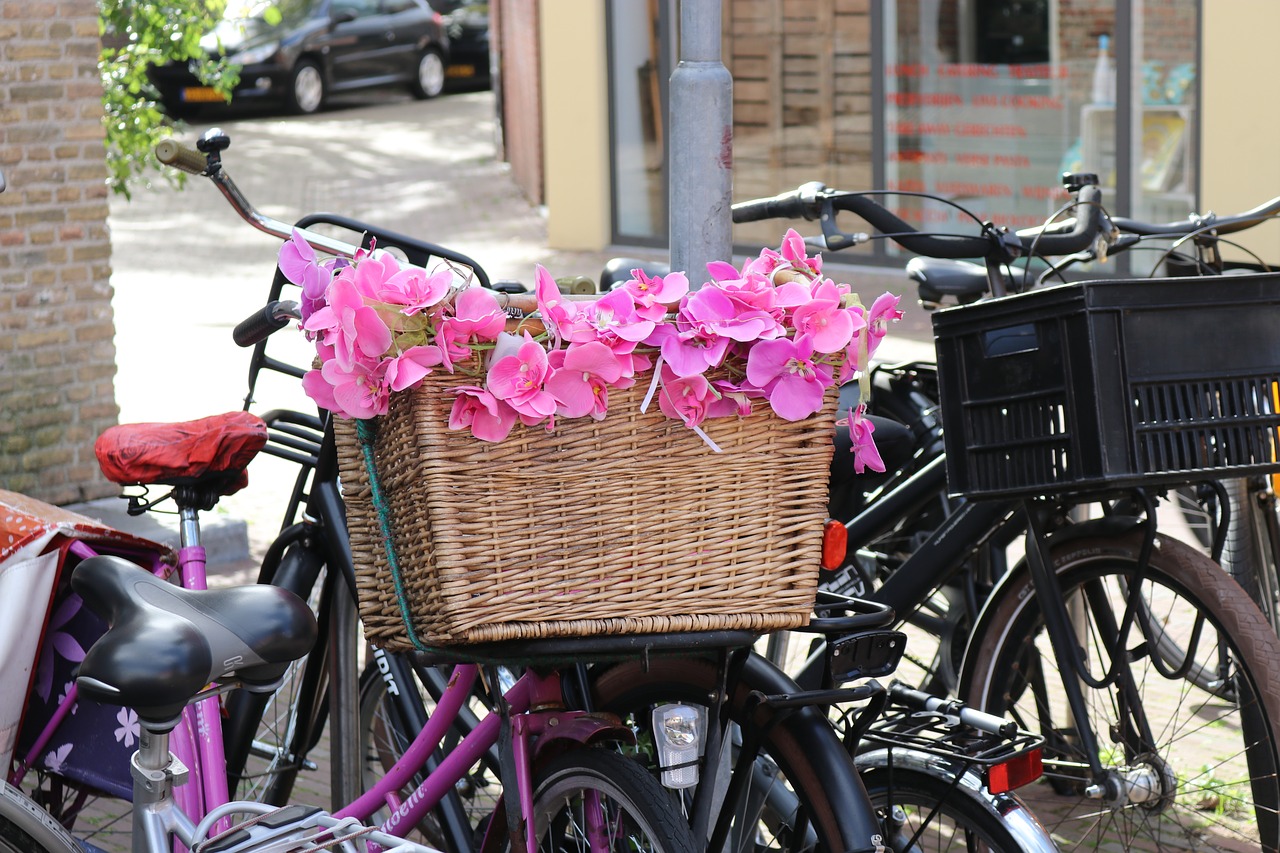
701, 144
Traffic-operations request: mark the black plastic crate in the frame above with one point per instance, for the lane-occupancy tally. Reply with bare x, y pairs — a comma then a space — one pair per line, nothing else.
1111, 383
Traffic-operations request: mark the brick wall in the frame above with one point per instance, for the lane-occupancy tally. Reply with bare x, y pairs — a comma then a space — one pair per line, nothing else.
57, 356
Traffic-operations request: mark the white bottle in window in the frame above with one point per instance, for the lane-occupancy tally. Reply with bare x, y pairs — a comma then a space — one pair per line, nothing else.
1104, 73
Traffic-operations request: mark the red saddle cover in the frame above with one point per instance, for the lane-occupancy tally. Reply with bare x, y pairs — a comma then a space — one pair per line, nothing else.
179, 453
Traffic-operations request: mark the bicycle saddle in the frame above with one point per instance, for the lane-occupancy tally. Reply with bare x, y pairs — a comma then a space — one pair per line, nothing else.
209, 453
164, 644
937, 278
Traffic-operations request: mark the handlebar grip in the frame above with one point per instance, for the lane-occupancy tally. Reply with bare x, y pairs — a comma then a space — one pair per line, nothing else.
173, 153
801, 203
259, 325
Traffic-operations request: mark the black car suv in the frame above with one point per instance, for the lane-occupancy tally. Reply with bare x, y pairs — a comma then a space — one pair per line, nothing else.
297, 52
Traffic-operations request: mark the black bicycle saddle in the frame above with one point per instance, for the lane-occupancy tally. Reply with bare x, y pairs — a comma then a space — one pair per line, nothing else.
164, 644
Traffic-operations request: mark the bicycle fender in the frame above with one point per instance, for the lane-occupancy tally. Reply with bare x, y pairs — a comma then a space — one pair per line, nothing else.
1008, 808
581, 730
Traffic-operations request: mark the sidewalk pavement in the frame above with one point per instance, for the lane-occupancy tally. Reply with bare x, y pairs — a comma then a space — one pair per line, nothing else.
186, 269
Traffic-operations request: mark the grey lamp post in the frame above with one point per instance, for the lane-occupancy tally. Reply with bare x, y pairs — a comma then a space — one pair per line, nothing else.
701, 189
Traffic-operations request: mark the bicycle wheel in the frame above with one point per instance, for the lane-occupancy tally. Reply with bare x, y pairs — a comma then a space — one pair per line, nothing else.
283, 726
587, 796
26, 828
802, 793
1184, 766
924, 812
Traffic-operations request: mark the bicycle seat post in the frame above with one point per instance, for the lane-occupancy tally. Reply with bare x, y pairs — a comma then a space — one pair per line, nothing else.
155, 772
192, 556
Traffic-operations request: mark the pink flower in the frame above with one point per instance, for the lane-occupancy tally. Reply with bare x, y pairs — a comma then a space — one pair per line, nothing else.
865, 453
613, 315
299, 264
409, 368
653, 295
474, 317
829, 325
488, 418
413, 289
556, 311
685, 398
519, 379
785, 371
349, 326
876, 325
734, 399
315, 386
582, 377
360, 392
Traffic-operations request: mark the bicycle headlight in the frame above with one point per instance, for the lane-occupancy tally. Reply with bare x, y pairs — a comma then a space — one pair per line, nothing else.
678, 731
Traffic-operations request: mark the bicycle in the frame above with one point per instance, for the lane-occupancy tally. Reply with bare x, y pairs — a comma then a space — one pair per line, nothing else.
1079, 557
269, 320
163, 648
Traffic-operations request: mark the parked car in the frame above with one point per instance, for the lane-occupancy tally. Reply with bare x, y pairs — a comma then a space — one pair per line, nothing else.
297, 52
467, 23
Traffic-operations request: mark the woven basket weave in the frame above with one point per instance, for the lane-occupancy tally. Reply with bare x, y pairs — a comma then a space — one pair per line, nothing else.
627, 525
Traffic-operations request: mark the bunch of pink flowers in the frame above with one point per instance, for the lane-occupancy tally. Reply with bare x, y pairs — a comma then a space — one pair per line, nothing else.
775, 332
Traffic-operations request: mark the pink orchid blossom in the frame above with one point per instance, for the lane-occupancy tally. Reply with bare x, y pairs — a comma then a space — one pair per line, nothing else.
320, 391
353, 329
693, 343
488, 418
863, 445
408, 369
735, 399
824, 320
360, 392
686, 398
299, 264
411, 289
582, 378
785, 371
557, 312
519, 380
612, 319
474, 317
873, 329
653, 295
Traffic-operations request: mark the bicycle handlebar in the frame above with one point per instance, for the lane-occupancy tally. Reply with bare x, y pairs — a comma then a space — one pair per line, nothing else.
1208, 222
813, 200
259, 325
208, 164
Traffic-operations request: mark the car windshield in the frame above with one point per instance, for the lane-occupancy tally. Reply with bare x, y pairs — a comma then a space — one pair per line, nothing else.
245, 20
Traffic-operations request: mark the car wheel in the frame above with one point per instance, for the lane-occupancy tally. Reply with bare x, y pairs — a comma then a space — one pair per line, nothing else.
306, 88
429, 81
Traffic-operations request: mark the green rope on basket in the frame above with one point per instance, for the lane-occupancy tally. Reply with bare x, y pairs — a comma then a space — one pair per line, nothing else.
366, 433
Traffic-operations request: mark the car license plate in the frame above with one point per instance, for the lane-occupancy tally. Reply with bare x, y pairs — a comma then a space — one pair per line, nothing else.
202, 95
461, 71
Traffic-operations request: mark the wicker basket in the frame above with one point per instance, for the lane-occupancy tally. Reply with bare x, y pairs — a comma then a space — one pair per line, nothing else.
629, 525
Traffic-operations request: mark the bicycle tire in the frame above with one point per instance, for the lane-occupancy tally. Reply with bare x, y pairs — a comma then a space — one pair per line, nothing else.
924, 812
795, 746
27, 828
1012, 663
642, 806
284, 727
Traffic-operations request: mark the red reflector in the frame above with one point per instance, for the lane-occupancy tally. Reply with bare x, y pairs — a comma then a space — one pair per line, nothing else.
1015, 772
835, 542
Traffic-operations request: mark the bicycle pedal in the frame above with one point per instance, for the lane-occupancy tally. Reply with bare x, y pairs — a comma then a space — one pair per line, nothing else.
869, 654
